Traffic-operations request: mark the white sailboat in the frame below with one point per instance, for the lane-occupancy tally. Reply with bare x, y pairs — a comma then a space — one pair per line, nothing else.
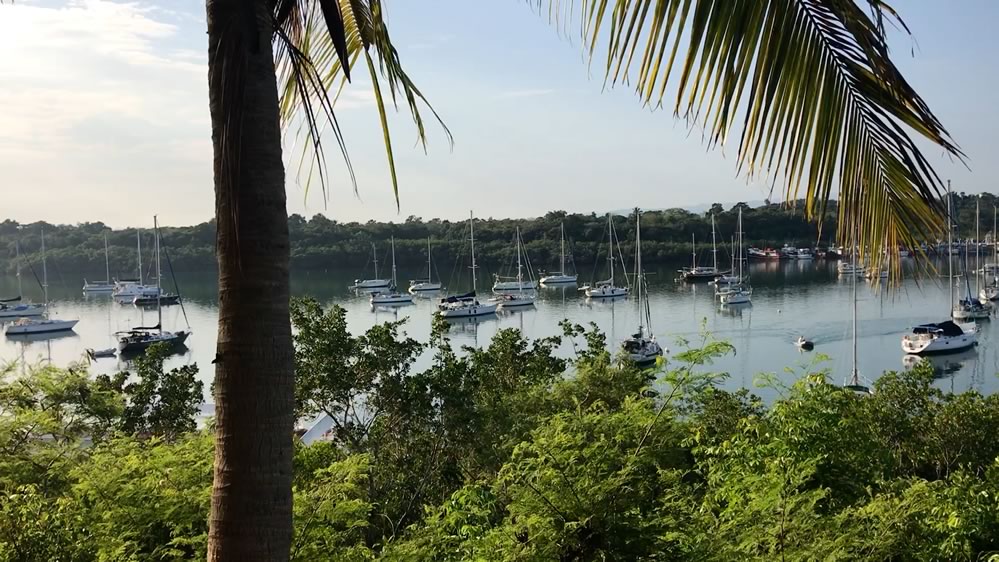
107, 285
561, 277
377, 282
391, 297
606, 289
738, 293
138, 339
991, 291
969, 307
521, 297
517, 284
13, 307
854, 383
28, 326
466, 305
126, 290
702, 273
729, 278
426, 286
642, 347
946, 336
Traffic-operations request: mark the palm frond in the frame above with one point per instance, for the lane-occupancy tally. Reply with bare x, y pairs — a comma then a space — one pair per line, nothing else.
808, 84
321, 40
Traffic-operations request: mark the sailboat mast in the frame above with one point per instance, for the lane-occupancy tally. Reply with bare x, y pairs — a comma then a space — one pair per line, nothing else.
156, 239
693, 252
393, 262
978, 237
610, 246
138, 248
995, 246
638, 269
471, 230
45, 272
950, 247
714, 245
562, 229
374, 253
17, 265
429, 266
520, 275
854, 375
107, 260
739, 236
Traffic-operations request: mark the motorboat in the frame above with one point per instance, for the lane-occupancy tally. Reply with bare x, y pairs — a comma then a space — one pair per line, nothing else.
426, 286
94, 354
641, 348
466, 305
561, 277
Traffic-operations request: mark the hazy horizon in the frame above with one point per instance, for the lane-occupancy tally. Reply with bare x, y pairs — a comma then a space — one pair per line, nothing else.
106, 118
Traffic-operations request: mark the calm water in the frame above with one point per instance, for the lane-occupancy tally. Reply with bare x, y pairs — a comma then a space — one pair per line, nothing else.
790, 298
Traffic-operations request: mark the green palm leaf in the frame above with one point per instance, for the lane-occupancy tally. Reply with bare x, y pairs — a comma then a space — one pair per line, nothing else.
314, 56
807, 84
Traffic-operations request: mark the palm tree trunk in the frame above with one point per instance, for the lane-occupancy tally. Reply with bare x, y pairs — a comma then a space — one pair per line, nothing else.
254, 372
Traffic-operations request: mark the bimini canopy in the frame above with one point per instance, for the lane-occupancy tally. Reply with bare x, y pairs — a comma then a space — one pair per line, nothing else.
457, 298
946, 328
12, 299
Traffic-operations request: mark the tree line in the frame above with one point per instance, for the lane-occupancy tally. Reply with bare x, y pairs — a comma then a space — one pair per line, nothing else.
508, 452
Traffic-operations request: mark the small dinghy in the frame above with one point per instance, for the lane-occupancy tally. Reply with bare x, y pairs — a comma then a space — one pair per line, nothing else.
102, 353
803, 344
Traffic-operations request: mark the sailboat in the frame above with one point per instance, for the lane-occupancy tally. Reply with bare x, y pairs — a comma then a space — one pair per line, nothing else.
969, 307
13, 307
27, 326
522, 297
125, 290
738, 293
991, 291
729, 278
107, 285
853, 383
642, 347
391, 297
427, 285
946, 336
139, 338
606, 289
466, 305
376, 283
702, 273
517, 283
561, 277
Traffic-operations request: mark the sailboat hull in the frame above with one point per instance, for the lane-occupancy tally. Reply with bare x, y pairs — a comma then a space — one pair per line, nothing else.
139, 343
22, 311
39, 327
559, 280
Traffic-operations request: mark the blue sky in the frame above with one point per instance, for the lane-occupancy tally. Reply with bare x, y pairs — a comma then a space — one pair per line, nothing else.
105, 116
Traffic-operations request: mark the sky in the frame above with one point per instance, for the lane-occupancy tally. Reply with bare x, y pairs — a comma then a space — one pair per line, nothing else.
104, 117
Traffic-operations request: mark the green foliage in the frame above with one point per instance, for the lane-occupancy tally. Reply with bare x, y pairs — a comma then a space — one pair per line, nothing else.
510, 453
157, 403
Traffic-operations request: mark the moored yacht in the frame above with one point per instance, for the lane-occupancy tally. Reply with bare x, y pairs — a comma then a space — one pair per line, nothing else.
426, 286
522, 297
561, 277
376, 282
26, 326
466, 305
642, 347
606, 289
13, 307
107, 285
391, 297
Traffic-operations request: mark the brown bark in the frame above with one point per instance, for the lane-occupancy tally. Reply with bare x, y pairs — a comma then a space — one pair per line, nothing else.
251, 513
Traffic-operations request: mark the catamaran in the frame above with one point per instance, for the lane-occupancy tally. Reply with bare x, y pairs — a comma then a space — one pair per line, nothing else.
13, 307
947, 336
561, 277
642, 347
391, 297
738, 293
466, 305
426, 286
377, 282
138, 339
107, 285
702, 273
522, 297
28, 326
607, 289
